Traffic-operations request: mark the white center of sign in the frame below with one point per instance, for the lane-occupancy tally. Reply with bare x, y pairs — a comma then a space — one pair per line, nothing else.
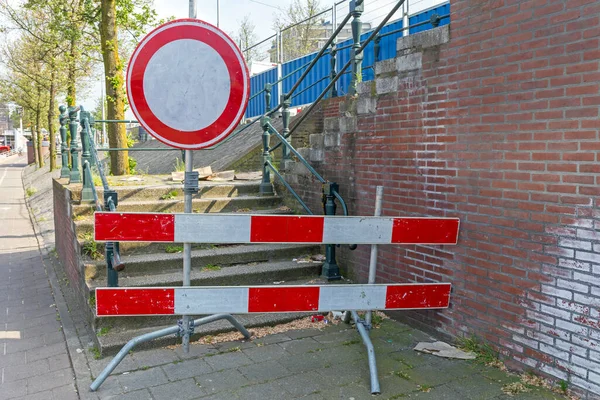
186, 85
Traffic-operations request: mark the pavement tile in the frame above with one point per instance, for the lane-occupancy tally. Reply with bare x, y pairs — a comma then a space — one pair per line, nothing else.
67, 392
228, 360
227, 380
264, 353
142, 394
196, 350
265, 371
265, 391
186, 369
302, 333
142, 379
352, 391
301, 346
15, 373
303, 384
13, 359
154, 357
10, 390
337, 338
271, 339
50, 380
180, 390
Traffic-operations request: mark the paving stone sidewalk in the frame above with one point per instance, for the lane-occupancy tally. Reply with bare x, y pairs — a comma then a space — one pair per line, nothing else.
330, 363
34, 363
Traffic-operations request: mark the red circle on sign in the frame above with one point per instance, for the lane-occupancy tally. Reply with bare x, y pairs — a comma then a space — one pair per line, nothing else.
239, 88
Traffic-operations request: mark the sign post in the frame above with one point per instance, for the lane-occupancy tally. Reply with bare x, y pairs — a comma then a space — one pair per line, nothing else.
188, 85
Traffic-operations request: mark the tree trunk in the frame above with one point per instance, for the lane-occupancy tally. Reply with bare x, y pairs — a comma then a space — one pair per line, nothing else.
72, 73
38, 133
36, 157
51, 119
115, 91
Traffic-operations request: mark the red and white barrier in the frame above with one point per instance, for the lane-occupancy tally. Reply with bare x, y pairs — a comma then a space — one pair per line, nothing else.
269, 299
243, 228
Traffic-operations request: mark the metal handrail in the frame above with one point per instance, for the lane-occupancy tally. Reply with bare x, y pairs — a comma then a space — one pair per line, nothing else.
288, 187
273, 131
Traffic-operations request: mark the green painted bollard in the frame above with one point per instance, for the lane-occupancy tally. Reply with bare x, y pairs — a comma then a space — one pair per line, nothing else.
285, 117
266, 187
85, 137
356, 9
330, 270
87, 193
75, 175
63, 118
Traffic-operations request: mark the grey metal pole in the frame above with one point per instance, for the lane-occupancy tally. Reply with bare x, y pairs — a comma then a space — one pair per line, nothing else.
187, 247
373, 260
364, 334
217, 13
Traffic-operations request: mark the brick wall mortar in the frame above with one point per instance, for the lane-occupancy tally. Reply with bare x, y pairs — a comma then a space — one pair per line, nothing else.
500, 128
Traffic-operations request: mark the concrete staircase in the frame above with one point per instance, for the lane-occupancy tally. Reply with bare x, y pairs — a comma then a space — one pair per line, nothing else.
160, 264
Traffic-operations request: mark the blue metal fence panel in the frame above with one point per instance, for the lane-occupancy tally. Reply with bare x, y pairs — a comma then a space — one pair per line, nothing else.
318, 78
256, 106
442, 10
314, 83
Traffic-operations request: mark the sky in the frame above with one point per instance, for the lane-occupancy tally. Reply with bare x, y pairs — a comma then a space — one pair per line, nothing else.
261, 14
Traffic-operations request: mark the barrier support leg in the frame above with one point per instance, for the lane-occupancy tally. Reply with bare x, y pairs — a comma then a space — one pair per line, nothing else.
364, 333
155, 335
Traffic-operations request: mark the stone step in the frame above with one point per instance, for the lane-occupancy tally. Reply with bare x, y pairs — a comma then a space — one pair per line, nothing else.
110, 341
247, 274
214, 205
207, 189
84, 224
223, 255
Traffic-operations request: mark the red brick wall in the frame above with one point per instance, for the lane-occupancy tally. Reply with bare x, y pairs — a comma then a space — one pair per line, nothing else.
66, 243
499, 128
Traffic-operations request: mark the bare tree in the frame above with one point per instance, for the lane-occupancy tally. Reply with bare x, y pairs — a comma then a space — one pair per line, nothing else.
246, 38
300, 28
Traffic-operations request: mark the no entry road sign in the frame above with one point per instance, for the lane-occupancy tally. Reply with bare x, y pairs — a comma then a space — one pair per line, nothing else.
188, 84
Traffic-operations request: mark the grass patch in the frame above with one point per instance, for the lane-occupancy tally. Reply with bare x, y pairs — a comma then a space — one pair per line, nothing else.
92, 301
78, 218
90, 247
97, 180
103, 331
96, 353
350, 342
563, 386
179, 165
424, 388
484, 352
169, 196
145, 367
402, 374
30, 191
173, 249
515, 388
211, 267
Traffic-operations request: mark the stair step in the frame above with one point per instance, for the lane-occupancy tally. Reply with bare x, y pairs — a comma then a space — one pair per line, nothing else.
207, 189
84, 224
240, 274
221, 256
214, 205
117, 336
111, 342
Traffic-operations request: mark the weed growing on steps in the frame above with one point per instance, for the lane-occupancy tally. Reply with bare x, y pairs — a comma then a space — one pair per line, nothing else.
173, 249
483, 351
169, 196
30, 191
211, 267
90, 247
179, 165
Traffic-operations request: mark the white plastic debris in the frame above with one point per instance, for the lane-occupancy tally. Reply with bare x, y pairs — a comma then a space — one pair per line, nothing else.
442, 349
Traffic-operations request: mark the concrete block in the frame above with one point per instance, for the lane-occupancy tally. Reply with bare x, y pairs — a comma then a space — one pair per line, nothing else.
347, 124
384, 67
364, 87
317, 155
331, 139
409, 62
304, 152
331, 124
366, 105
386, 85
316, 140
423, 40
